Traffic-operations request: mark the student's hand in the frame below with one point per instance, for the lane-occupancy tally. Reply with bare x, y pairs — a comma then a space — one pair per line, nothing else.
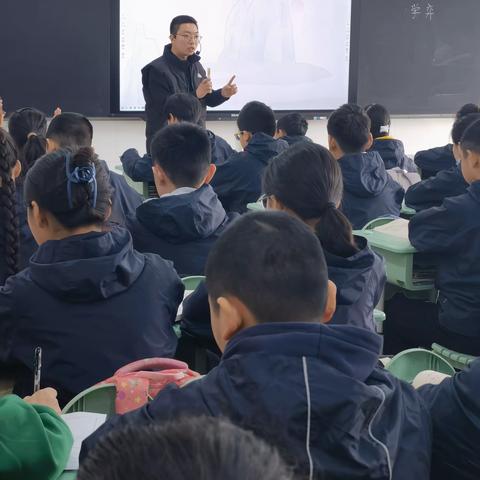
2, 113
46, 397
57, 112
204, 88
229, 89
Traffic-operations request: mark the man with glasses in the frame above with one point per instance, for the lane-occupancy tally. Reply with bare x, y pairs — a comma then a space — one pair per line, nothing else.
179, 70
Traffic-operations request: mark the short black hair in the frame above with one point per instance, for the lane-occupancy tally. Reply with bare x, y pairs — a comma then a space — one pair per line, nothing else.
349, 125
189, 448
274, 264
256, 117
461, 124
379, 117
468, 109
471, 138
293, 124
184, 107
180, 20
183, 151
72, 130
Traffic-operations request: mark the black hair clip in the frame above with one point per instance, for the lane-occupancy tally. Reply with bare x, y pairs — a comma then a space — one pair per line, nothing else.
79, 175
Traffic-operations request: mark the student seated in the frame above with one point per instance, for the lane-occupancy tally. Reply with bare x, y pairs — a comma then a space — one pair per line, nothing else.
180, 107
187, 219
192, 448
434, 160
390, 149
238, 181
292, 128
36, 442
88, 299
451, 235
28, 128
455, 410
10, 168
315, 392
306, 182
369, 192
72, 130
446, 183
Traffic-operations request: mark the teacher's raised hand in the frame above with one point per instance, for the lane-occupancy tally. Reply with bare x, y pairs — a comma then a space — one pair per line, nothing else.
204, 88
230, 88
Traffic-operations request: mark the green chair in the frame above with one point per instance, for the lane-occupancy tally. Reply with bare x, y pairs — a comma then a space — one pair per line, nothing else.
191, 283
140, 187
408, 364
407, 212
255, 207
96, 399
379, 317
460, 361
70, 475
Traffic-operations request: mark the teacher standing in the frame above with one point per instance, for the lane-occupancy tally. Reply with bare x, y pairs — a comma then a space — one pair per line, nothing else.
179, 70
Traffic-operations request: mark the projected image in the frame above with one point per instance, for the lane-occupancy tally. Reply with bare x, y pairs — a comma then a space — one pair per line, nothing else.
290, 54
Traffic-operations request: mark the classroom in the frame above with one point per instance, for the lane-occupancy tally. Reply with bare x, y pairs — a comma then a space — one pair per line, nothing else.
240, 239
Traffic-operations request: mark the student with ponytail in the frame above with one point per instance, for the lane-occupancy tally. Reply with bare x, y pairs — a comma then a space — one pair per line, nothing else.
10, 169
306, 182
94, 304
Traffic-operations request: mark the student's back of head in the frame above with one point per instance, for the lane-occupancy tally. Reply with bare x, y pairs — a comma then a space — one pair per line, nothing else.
379, 118
467, 109
72, 186
256, 117
307, 180
69, 130
292, 124
183, 153
183, 107
273, 264
9, 239
187, 449
349, 127
28, 128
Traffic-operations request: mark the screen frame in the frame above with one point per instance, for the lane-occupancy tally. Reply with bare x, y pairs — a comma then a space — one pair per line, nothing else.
229, 115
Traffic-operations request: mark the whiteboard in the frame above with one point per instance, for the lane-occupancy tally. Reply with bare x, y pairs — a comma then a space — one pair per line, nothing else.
290, 54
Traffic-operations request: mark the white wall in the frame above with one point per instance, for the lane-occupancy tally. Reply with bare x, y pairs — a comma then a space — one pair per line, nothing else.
113, 136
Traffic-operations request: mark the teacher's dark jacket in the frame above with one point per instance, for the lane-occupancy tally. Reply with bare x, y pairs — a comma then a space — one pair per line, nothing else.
166, 76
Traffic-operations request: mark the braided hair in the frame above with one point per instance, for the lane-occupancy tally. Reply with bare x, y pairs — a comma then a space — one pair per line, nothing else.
28, 128
8, 211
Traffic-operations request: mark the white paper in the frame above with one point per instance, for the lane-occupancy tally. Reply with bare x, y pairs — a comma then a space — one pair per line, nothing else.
81, 424
180, 307
397, 228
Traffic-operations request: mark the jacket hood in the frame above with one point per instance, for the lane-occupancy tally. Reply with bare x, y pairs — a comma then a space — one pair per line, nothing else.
352, 351
88, 267
391, 150
350, 274
364, 174
186, 217
293, 139
264, 147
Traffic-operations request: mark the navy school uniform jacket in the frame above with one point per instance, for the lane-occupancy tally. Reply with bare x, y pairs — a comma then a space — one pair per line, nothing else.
125, 199
455, 409
166, 76
181, 228
139, 169
239, 181
293, 139
434, 160
393, 154
360, 280
432, 191
93, 304
312, 390
369, 191
452, 233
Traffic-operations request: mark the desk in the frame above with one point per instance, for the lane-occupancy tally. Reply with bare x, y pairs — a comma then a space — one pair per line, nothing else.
70, 475
255, 207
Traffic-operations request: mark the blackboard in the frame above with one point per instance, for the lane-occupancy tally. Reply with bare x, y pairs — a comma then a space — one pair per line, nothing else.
56, 52
415, 56
419, 56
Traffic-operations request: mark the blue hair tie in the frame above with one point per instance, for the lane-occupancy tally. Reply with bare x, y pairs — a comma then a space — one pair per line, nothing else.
80, 175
